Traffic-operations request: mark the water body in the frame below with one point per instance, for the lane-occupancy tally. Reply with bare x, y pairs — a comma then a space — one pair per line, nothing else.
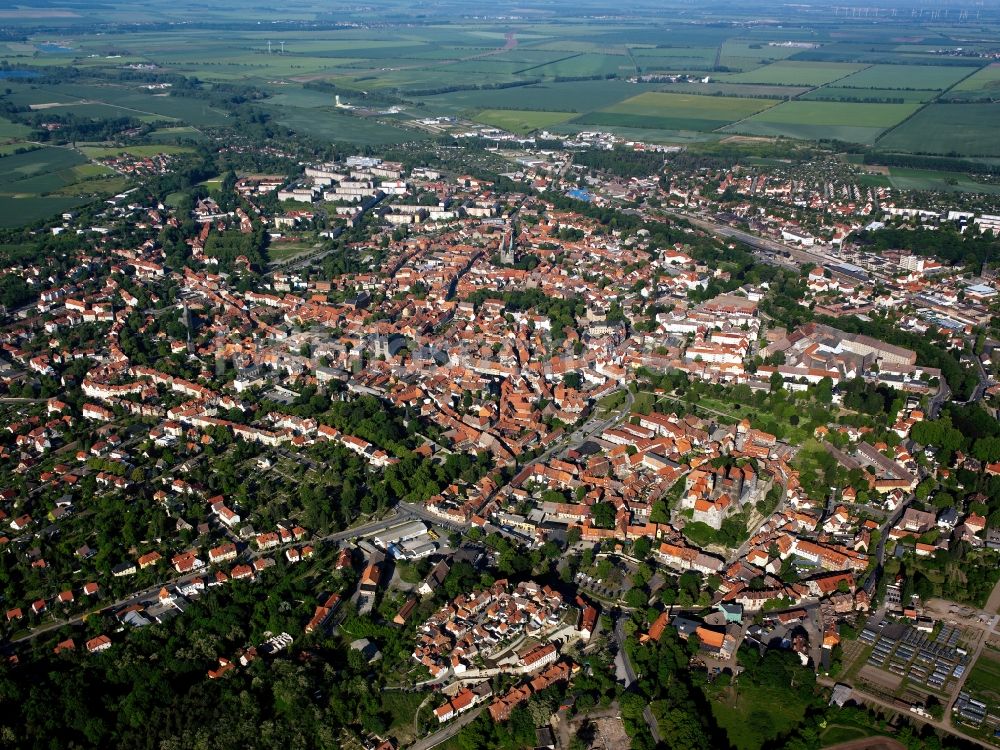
19, 74
580, 194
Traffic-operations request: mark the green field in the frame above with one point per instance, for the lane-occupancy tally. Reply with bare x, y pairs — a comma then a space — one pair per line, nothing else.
984, 679
43, 170
719, 88
676, 112
100, 152
794, 73
834, 734
906, 77
946, 182
571, 96
984, 84
838, 93
18, 211
12, 130
809, 120
586, 64
521, 121
948, 129
330, 124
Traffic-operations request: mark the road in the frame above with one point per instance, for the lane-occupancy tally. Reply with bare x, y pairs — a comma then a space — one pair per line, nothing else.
447, 732
944, 725
246, 555
647, 712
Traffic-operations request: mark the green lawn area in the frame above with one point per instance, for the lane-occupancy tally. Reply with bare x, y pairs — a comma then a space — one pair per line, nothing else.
521, 120
834, 734
752, 715
282, 250
984, 679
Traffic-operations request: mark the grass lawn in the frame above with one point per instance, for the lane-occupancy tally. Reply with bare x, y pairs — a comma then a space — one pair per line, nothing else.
751, 715
521, 120
834, 734
984, 679
283, 250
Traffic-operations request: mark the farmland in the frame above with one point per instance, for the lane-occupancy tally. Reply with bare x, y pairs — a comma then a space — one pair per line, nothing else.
676, 112
808, 120
521, 121
855, 83
795, 73
906, 77
946, 129
984, 84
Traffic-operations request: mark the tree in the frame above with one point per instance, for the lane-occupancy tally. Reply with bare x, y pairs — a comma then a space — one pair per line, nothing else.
642, 547
777, 382
603, 515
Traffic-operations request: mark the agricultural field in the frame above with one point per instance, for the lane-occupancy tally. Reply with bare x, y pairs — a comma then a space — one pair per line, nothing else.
906, 77
809, 120
569, 96
584, 65
984, 84
984, 679
676, 112
838, 93
945, 182
743, 55
718, 88
794, 73
101, 152
948, 129
329, 124
521, 121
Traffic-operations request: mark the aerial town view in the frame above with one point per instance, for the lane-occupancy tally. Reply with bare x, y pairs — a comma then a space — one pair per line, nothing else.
584, 376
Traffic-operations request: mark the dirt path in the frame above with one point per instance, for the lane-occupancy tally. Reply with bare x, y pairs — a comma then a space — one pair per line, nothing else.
868, 743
